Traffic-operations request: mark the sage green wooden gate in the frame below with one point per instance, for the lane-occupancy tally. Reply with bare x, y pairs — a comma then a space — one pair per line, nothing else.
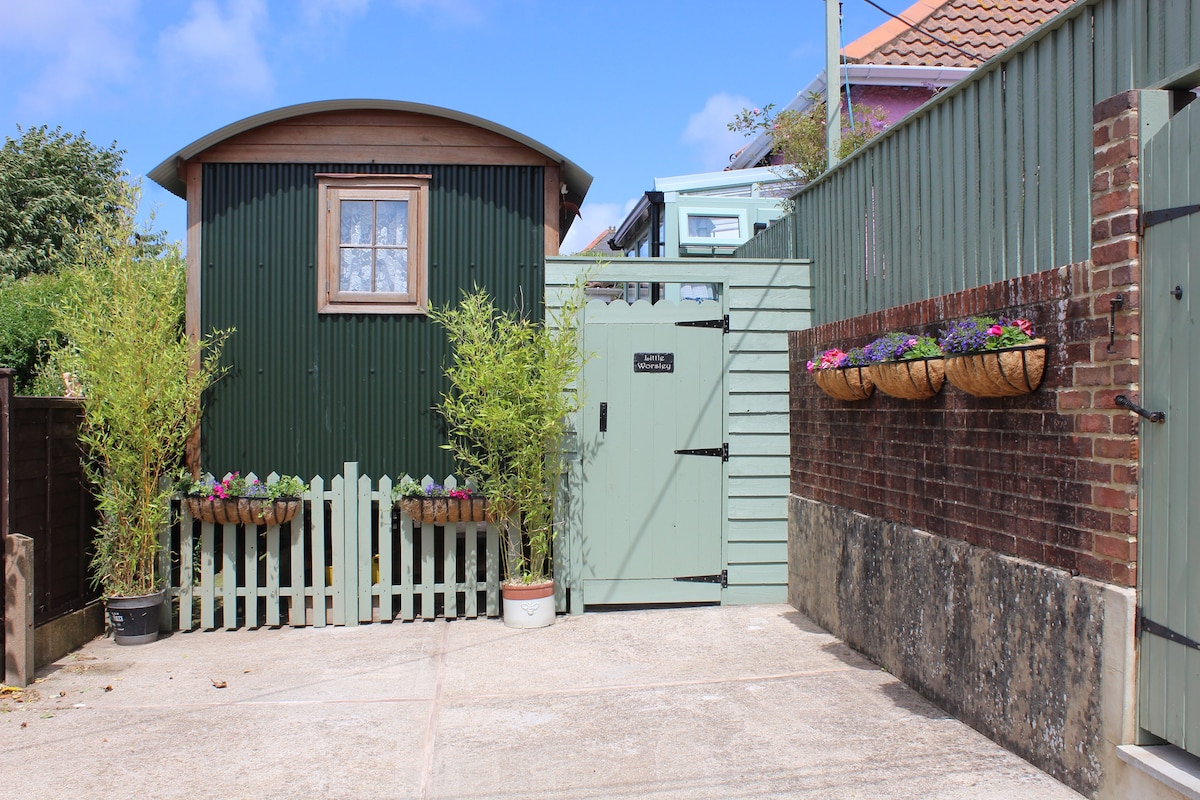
1169, 559
652, 445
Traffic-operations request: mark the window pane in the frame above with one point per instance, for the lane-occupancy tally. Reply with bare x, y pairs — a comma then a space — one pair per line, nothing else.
391, 270
712, 227
356, 221
356, 269
391, 222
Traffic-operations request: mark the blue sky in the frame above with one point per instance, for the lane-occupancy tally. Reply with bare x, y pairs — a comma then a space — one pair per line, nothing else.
627, 90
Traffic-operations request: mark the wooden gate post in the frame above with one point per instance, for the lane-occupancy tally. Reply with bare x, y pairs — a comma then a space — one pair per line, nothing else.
18, 610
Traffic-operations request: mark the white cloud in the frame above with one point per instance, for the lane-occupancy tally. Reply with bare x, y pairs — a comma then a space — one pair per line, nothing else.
218, 50
594, 219
335, 12
458, 12
707, 131
66, 51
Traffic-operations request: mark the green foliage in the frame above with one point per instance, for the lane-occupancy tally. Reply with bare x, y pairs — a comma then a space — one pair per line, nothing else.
235, 485
798, 138
27, 328
142, 380
508, 412
54, 186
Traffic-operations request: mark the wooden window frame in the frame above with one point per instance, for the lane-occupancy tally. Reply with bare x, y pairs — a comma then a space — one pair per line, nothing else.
332, 189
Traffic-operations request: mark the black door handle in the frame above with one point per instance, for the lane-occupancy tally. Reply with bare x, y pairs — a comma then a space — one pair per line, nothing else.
1153, 416
604, 417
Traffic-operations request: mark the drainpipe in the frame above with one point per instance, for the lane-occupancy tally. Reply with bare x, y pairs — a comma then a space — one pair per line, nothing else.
655, 199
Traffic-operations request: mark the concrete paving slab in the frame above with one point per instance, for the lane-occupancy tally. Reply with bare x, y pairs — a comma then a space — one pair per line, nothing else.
729, 702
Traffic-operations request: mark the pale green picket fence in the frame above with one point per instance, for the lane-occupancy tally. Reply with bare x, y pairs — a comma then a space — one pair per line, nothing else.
345, 558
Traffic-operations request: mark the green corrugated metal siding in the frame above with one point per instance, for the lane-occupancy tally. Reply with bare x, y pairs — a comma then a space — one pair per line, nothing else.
992, 179
307, 392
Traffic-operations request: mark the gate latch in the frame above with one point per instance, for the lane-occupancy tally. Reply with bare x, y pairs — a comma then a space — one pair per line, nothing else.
1153, 416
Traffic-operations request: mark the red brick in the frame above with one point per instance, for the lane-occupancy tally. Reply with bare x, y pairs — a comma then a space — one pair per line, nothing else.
1114, 252
1101, 182
1123, 448
1074, 399
1124, 574
1120, 548
1111, 202
1106, 497
1101, 135
1093, 423
1093, 376
1123, 224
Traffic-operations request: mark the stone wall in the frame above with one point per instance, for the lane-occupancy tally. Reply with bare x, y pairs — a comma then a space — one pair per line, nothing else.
1010, 647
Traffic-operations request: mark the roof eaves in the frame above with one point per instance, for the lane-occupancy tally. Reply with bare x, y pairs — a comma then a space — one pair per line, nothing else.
166, 174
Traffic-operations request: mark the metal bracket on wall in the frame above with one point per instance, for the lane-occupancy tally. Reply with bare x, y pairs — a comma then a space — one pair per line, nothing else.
1113, 305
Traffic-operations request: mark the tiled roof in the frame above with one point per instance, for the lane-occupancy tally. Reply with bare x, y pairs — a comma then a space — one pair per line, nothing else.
980, 27
600, 243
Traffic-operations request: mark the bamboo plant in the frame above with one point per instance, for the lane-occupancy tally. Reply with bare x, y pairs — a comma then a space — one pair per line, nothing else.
142, 379
508, 416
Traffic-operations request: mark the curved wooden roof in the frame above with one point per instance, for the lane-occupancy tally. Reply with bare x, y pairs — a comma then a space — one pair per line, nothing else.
358, 131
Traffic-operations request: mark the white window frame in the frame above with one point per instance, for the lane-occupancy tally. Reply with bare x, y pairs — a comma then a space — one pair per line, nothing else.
334, 188
742, 216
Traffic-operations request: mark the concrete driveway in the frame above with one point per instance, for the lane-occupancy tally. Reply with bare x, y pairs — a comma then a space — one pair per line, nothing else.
715, 702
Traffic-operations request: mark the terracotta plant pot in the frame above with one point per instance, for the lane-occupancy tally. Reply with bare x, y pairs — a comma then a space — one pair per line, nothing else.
242, 510
528, 605
847, 383
999, 373
915, 379
443, 510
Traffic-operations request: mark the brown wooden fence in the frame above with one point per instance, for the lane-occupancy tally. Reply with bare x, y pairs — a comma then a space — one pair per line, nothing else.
44, 495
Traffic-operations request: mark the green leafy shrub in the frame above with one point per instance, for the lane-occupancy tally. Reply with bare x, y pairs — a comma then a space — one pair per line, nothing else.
507, 414
142, 379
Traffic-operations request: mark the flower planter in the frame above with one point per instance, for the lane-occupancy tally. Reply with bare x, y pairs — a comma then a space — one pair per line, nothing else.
443, 510
915, 379
847, 383
999, 373
135, 620
528, 605
242, 510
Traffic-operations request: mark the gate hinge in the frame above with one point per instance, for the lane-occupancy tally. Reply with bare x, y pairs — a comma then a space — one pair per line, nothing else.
722, 579
1148, 219
721, 452
1144, 625
722, 323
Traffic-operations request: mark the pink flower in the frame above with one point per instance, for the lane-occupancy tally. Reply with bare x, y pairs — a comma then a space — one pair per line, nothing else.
995, 330
811, 366
1025, 327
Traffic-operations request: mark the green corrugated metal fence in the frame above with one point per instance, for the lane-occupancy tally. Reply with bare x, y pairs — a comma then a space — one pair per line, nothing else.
990, 180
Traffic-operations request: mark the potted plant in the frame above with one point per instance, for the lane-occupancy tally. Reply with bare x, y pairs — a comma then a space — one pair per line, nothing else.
434, 504
235, 500
905, 365
843, 375
142, 379
990, 357
508, 414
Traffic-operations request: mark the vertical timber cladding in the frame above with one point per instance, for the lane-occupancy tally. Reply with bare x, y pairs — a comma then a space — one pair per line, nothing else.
331, 388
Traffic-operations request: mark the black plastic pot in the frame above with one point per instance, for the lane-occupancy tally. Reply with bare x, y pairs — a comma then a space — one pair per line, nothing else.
135, 619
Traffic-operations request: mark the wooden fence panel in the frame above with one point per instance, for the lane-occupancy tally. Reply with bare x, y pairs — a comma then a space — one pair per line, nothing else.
44, 495
382, 563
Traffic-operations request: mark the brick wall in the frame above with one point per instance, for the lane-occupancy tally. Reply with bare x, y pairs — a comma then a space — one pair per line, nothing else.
1050, 476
